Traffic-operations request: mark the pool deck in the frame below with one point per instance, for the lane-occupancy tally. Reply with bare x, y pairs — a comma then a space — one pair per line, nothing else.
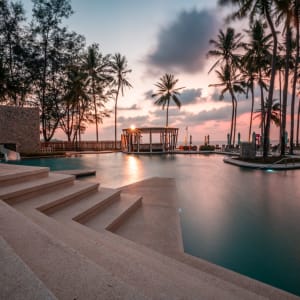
142, 259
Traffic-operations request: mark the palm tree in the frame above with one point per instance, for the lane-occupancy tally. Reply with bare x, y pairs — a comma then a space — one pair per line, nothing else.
252, 8
76, 101
230, 82
225, 47
248, 73
296, 23
275, 115
167, 92
256, 61
120, 69
284, 12
98, 70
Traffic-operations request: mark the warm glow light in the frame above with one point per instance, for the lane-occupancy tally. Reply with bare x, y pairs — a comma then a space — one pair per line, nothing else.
132, 127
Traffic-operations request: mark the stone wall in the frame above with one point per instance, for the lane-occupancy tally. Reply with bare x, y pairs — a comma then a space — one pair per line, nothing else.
20, 126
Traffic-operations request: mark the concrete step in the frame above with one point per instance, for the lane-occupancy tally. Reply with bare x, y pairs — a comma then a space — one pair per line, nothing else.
153, 276
66, 273
88, 206
17, 281
24, 190
59, 198
13, 174
111, 216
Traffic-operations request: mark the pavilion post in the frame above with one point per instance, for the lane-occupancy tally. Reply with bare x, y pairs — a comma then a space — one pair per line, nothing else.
150, 140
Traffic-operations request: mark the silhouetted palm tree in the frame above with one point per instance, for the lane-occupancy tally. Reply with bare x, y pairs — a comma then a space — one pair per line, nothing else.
76, 102
284, 14
225, 48
275, 113
166, 92
98, 69
232, 84
120, 70
263, 8
257, 61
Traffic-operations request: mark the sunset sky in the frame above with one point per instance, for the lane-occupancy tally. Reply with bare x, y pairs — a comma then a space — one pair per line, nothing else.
157, 37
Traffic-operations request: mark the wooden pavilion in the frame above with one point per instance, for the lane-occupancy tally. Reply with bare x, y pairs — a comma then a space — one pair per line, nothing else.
149, 139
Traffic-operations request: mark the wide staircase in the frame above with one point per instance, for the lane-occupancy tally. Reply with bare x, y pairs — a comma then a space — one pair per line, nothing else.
57, 242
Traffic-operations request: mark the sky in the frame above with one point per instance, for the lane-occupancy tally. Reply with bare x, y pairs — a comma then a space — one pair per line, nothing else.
158, 37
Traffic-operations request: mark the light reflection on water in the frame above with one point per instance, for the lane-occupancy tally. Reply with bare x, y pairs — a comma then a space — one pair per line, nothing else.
246, 220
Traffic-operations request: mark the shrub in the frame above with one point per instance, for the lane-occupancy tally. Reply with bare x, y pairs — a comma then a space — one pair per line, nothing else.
207, 148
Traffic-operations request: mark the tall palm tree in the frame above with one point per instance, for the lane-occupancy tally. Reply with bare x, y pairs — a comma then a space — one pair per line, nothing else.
230, 82
225, 49
296, 23
75, 101
119, 66
257, 61
252, 8
298, 120
248, 73
98, 68
284, 13
166, 92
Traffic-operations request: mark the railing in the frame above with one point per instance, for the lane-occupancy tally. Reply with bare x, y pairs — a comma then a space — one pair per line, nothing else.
80, 146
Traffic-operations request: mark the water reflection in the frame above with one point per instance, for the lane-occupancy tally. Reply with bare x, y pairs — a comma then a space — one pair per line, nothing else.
133, 168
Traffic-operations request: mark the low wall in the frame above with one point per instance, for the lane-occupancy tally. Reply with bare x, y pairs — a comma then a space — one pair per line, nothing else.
20, 126
80, 146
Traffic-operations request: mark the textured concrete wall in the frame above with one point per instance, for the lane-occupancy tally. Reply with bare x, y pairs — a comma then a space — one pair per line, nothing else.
20, 126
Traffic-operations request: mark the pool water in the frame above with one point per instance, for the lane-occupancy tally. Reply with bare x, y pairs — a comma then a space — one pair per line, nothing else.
246, 220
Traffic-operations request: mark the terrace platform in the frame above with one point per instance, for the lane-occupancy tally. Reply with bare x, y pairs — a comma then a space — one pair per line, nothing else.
79, 240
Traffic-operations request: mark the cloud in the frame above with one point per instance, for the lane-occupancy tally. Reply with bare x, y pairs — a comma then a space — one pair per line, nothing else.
191, 96
216, 114
148, 95
138, 121
132, 107
183, 44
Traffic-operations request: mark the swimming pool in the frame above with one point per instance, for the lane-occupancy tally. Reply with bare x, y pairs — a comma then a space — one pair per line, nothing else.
243, 219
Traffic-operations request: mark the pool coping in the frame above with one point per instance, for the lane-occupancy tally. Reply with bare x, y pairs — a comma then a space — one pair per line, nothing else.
239, 163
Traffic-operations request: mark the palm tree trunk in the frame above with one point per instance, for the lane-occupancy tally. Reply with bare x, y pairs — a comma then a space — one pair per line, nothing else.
232, 121
262, 106
298, 123
294, 79
285, 87
271, 88
234, 124
251, 114
280, 105
167, 114
95, 111
116, 109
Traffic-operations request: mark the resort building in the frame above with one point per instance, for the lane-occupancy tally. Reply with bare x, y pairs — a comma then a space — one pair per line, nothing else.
149, 139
